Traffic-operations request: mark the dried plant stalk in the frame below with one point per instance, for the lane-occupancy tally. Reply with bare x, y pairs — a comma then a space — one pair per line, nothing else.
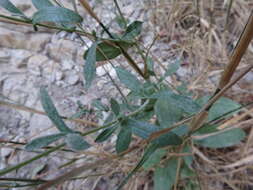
237, 54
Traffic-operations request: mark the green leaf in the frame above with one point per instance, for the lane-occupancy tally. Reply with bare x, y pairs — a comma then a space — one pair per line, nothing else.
108, 49
167, 139
76, 142
220, 108
105, 134
141, 128
99, 105
39, 4
148, 152
124, 138
150, 66
167, 113
57, 15
115, 106
128, 79
121, 21
188, 159
109, 119
223, 139
164, 177
43, 141
133, 30
181, 130
172, 68
6, 4
206, 129
52, 113
90, 65
154, 159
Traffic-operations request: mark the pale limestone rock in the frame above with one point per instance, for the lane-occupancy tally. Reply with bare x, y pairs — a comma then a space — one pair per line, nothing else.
19, 58
12, 39
62, 49
67, 64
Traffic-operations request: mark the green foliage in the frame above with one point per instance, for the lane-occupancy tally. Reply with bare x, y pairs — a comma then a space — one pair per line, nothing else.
220, 108
164, 177
90, 65
76, 142
99, 105
142, 129
148, 152
58, 15
109, 49
128, 79
115, 106
6, 4
154, 159
172, 68
106, 134
43, 141
39, 4
223, 139
124, 138
167, 139
52, 112
132, 31
166, 112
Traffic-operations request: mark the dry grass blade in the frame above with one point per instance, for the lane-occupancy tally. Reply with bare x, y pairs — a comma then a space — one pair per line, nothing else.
87, 7
243, 161
238, 52
73, 172
32, 110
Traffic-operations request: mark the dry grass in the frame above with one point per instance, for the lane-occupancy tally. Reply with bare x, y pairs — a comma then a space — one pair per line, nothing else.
206, 32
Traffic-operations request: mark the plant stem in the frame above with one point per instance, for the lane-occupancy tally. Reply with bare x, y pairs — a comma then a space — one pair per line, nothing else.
237, 54
120, 12
22, 164
22, 180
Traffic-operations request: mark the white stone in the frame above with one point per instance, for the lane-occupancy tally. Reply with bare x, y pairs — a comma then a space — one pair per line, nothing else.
59, 75
67, 65
6, 152
73, 79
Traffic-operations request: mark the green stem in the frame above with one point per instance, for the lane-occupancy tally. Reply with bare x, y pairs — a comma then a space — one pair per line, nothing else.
22, 164
120, 13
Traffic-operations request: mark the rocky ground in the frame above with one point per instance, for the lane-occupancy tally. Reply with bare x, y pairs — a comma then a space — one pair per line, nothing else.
29, 60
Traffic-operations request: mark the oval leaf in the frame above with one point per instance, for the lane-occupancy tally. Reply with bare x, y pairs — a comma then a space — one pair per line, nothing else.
123, 139
115, 106
167, 139
43, 141
164, 177
39, 4
141, 128
6, 4
167, 113
154, 159
76, 142
56, 15
105, 134
107, 50
220, 108
223, 139
52, 112
133, 30
128, 79
90, 65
